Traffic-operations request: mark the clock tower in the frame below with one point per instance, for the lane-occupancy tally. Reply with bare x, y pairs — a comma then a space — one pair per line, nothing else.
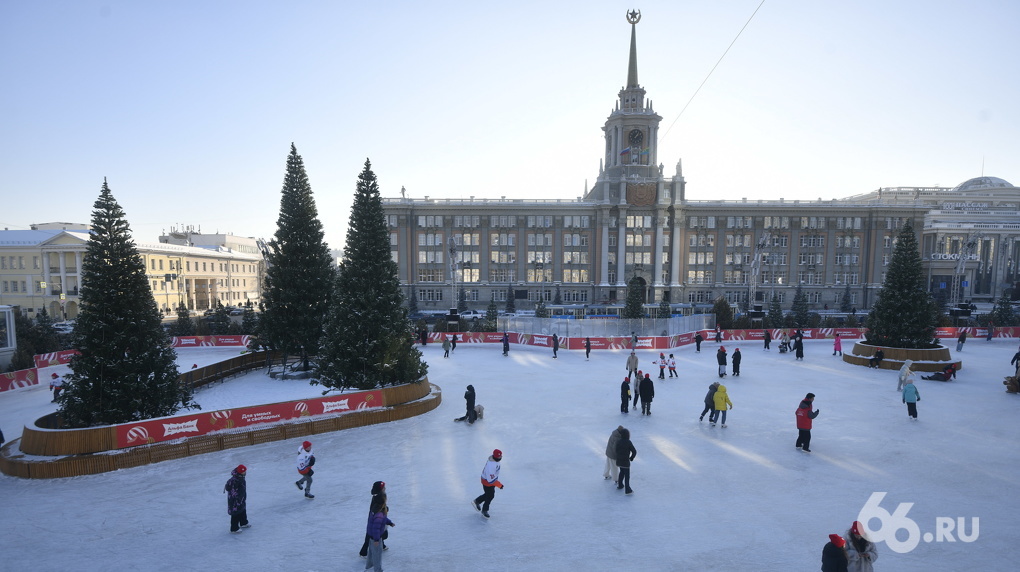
632, 129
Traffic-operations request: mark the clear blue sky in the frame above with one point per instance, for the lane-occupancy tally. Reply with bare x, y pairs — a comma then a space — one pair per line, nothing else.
189, 108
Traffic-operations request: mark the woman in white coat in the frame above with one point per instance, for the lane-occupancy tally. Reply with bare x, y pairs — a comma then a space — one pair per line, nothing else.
860, 551
905, 374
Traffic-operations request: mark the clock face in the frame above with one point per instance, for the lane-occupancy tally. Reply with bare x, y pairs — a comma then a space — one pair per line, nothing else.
636, 137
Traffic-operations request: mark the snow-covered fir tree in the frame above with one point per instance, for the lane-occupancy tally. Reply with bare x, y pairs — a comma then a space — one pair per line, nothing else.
1003, 313
633, 308
904, 314
300, 272
723, 313
800, 309
540, 310
126, 369
491, 315
775, 315
510, 306
665, 311
367, 341
184, 325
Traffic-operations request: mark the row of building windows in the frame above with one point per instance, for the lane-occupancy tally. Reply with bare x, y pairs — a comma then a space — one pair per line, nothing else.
647, 221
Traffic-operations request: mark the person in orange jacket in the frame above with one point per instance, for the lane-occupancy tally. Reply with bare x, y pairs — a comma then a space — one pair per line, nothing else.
490, 480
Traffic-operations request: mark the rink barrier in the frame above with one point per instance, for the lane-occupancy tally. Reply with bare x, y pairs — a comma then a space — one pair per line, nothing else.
399, 402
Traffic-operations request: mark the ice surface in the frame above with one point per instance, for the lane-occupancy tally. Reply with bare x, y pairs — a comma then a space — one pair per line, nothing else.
706, 498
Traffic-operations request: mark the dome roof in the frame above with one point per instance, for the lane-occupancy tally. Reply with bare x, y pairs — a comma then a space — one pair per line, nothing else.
983, 184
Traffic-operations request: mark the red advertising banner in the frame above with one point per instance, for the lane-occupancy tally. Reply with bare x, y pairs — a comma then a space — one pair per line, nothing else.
19, 379
171, 428
54, 358
210, 341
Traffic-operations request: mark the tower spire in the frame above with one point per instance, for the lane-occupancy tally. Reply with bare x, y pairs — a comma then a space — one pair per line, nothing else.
634, 16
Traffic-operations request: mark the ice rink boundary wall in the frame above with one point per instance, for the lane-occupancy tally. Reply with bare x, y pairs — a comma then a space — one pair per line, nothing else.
399, 402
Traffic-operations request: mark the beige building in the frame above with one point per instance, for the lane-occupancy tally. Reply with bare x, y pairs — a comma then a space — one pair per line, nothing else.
637, 220
40, 268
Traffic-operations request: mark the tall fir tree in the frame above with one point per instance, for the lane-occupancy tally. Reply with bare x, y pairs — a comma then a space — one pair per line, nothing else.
845, 303
800, 309
904, 314
367, 337
775, 315
723, 313
184, 325
634, 307
665, 311
540, 310
511, 308
491, 315
249, 320
557, 298
1003, 313
126, 369
462, 305
412, 302
300, 273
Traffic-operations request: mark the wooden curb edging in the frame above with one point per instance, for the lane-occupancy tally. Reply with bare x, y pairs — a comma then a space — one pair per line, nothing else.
401, 402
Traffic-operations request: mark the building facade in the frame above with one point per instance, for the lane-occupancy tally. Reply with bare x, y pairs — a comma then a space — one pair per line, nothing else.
40, 268
636, 220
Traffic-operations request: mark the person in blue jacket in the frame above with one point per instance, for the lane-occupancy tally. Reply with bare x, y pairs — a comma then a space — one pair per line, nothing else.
911, 396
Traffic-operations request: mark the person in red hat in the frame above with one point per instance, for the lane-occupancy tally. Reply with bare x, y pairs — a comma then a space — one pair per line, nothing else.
861, 552
662, 362
57, 385
720, 357
237, 499
305, 460
490, 480
834, 555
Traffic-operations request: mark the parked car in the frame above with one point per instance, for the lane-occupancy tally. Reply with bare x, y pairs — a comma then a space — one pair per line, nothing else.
237, 312
64, 328
209, 312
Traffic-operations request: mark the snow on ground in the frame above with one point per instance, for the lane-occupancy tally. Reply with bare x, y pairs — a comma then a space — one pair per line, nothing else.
706, 498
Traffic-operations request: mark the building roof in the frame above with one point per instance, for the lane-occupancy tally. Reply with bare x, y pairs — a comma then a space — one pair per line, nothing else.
983, 184
35, 237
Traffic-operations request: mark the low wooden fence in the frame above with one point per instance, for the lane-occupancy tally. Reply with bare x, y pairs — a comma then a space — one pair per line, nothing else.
400, 402
928, 360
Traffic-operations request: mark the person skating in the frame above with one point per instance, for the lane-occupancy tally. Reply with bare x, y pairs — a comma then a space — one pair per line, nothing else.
834, 555
804, 421
555, 345
720, 357
470, 415
632, 365
662, 363
768, 340
305, 460
961, 340
861, 552
490, 480
612, 471
446, 347
377, 523
1015, 362
709, 401
721, 403
672, 366
633, 341
625, 453
506, 344
453, 343
718, 334
57, 385
237, 499
587, 348
798, 347
905, 374
736, 362
625, 395
837, 346
378, 499
637, 388
647, 391
697, 342
911, 396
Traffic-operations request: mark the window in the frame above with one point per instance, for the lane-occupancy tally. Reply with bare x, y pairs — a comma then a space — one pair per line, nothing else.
430, 239
701, 222
700, 258
777, 222
502, 221
705, 240
539, 275
391, 220
467, 221
467, 275
501, 239
638, 258
575, 275
612, 240
738, 222
639, 221
700, 297
497, 257
502, 275
539, 221
700, 277
393, 239
430, 257
430, 295
573, 296
576, 221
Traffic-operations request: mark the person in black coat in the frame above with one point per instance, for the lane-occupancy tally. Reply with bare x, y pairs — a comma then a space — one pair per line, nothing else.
697, 342
506, 344
647, 394
378, 501
625, 395
625, 453
768, 339
709, 400
877, 358
736, 362
798, 347
469, 398
555, 345
720, 356
834, 555
587, 348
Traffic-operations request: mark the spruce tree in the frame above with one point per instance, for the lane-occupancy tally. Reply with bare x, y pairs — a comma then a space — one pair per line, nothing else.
844, 304
184, 325
491, 315
367, 341
904, 314
557, 299
665, 311
412, 302
634, 307
800, 309
1003, 313
249, 320
299, 277
126, 369
462, 304
775, 315
510, 307
723, 313
540, 310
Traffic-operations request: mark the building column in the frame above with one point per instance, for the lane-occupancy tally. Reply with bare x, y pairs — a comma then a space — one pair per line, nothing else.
675, 254
63, 273
621, 243
660, 219
604, 252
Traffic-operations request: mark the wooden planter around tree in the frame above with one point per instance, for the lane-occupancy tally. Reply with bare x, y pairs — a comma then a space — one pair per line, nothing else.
929, 360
